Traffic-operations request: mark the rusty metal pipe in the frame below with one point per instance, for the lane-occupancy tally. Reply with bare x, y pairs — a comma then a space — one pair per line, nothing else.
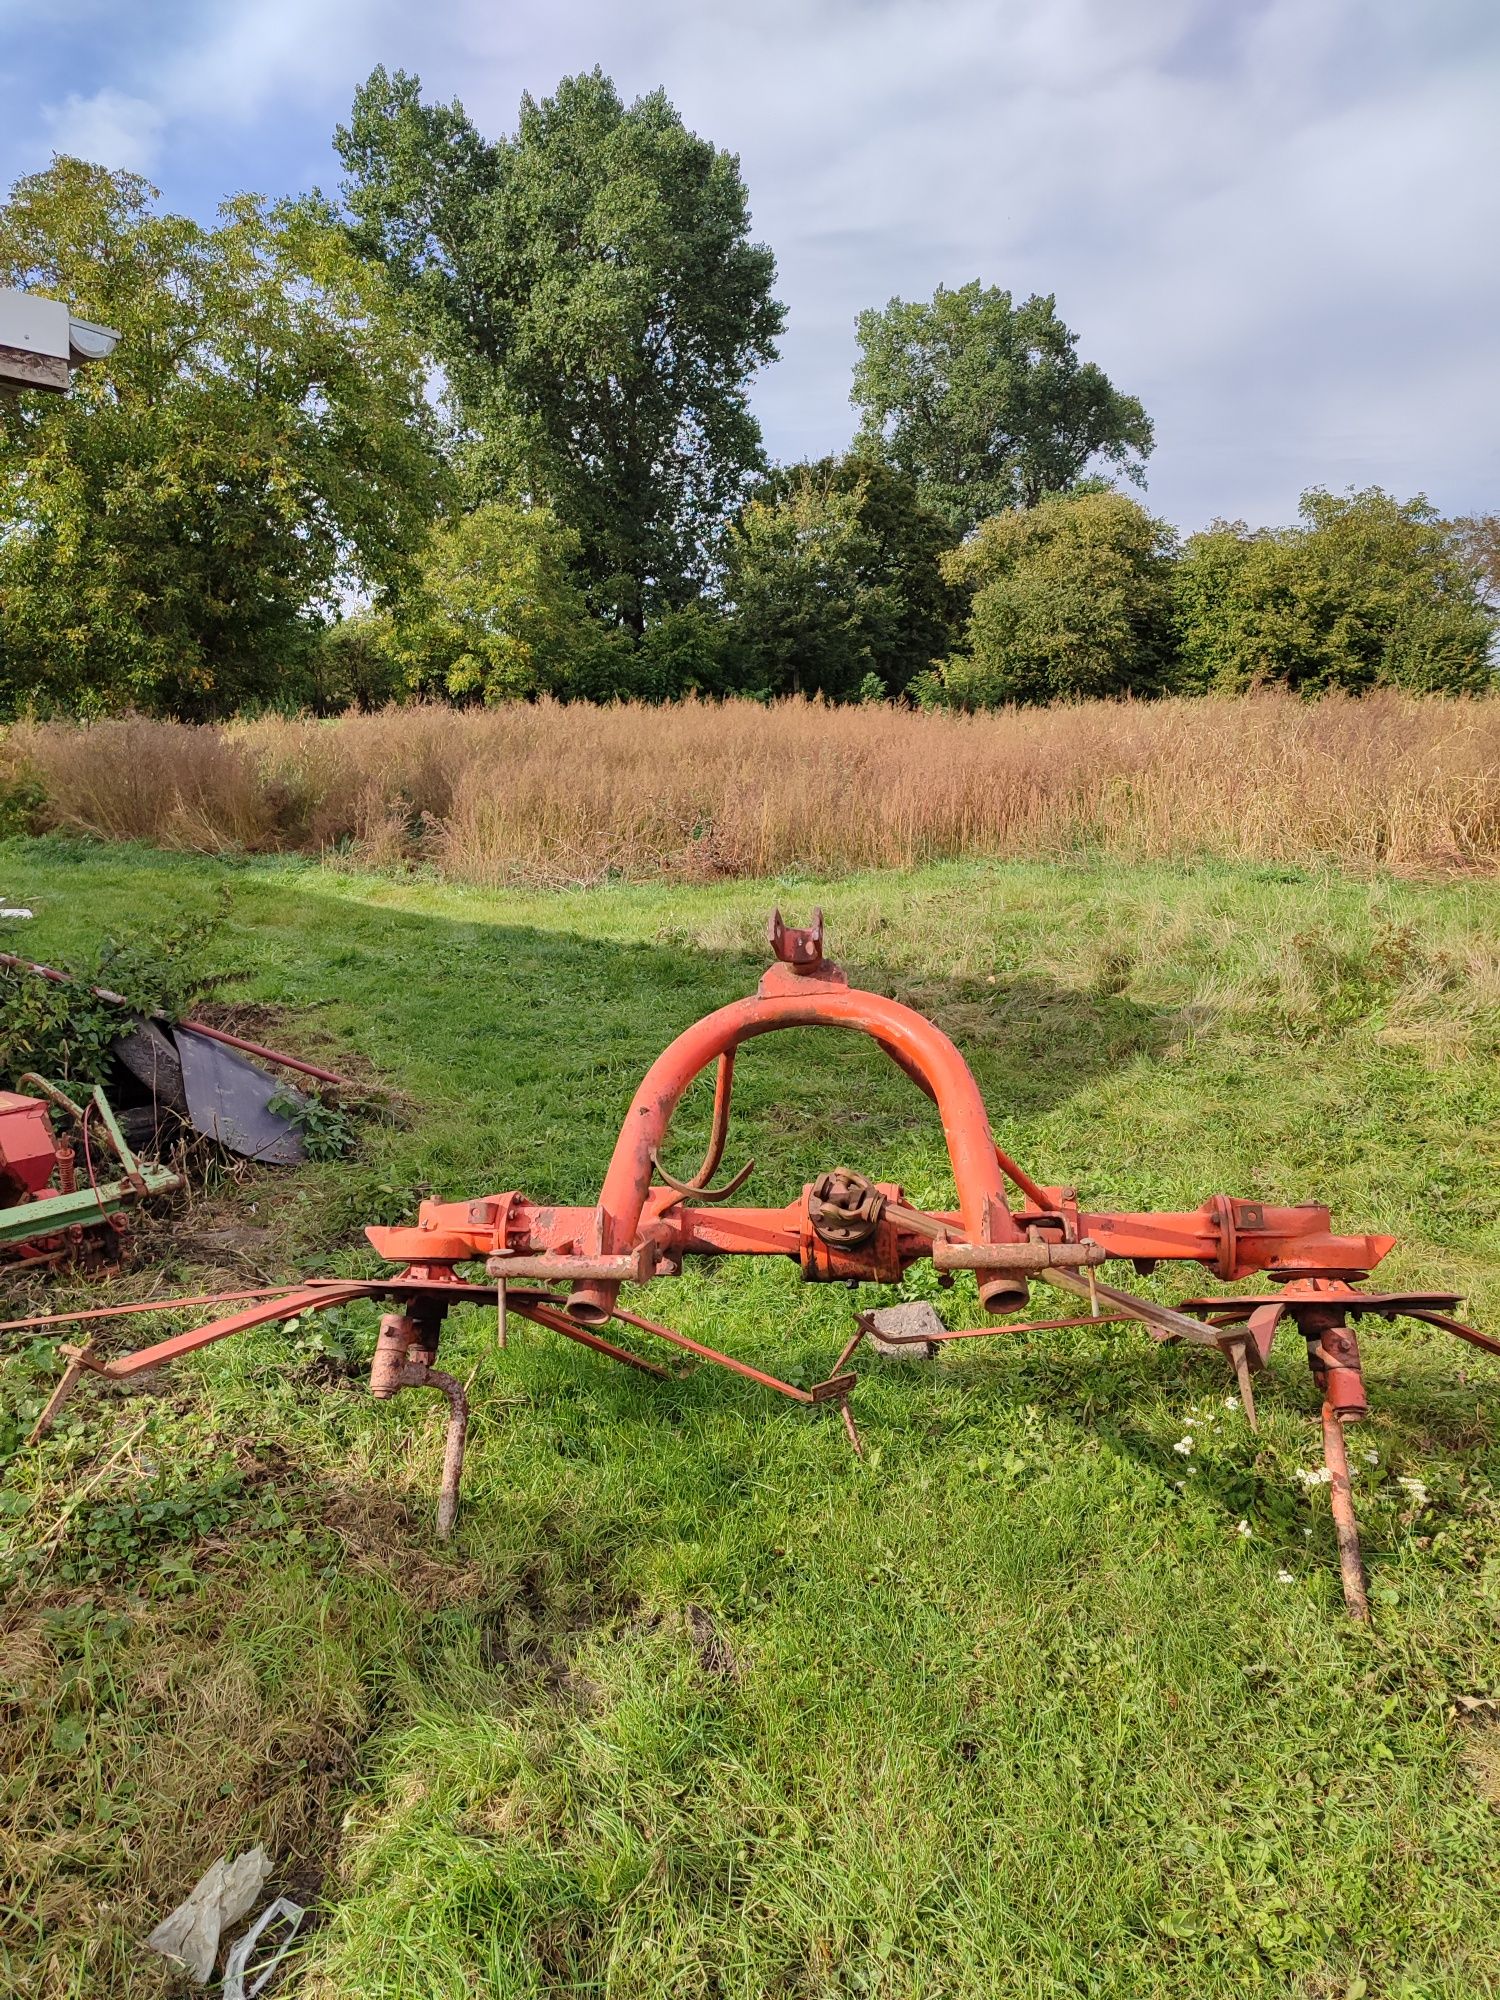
453, 1445
814, 1004
1014, 1256
393, 1368
1345, 1527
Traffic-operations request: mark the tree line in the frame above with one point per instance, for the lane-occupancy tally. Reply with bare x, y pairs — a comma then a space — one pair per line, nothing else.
479, 429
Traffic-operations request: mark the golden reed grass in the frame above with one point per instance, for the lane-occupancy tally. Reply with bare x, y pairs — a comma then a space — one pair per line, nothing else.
555, 794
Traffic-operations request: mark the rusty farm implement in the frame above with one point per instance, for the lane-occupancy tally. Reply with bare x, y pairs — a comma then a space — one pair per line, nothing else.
564, 1268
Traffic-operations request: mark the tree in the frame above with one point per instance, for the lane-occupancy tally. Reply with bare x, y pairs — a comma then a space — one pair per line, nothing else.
259, 446
808, 615
986, 403
497, 614
592, 292
1367, 591
1071, 599
902, 542
1476, 541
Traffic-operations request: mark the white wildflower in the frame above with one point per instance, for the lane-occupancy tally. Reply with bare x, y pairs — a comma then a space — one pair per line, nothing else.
1183, 1445
1318, 1475
1285, 1576
1372, 1458
1415, 1488
1307, 1534
1231, 1402
1244, 1528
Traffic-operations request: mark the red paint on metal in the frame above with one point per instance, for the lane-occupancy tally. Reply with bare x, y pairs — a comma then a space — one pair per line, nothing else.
842, 1227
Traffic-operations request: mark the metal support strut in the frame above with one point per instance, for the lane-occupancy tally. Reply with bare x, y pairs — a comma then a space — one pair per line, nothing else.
403, 1360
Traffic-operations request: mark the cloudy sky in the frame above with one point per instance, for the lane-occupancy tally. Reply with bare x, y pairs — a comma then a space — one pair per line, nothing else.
1276, 221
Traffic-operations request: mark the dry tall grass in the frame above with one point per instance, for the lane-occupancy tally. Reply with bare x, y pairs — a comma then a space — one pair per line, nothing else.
555, 794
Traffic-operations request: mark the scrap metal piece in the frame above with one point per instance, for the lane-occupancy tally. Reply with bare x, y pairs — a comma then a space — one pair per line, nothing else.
229, 1101
283, 1910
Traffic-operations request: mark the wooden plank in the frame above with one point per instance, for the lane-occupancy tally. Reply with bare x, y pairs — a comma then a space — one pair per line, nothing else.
20, 368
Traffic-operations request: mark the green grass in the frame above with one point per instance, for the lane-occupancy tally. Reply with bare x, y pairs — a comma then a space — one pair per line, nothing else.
696, 1703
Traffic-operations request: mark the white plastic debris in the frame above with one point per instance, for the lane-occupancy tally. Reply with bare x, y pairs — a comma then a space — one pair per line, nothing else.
190, 1935
288, 1913
14, 913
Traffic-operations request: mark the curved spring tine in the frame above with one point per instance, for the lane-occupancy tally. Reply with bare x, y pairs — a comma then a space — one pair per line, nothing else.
719, 1133
695, 1190
1461, 1328
723, 1086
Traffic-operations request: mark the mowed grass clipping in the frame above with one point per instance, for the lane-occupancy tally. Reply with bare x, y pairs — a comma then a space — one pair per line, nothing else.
698, 791
1031, 1702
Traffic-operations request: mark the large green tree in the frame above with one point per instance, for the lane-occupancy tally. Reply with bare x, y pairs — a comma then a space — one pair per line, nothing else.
497, 614
258, 447
1365, 591
1071, 599
812, 612
986, 403
591, 290
897, 552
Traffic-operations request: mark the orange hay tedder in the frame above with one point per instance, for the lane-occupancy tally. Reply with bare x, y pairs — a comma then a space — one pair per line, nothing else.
563, 1268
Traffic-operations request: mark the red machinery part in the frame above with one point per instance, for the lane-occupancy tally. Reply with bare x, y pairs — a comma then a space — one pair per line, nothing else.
848, 1229
28, 1150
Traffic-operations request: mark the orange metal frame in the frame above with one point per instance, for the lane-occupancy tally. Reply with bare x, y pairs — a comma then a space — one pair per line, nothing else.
842, 1228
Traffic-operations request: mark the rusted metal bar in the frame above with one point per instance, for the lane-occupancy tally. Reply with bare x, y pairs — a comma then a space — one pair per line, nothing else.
80, 1362
697, 1189
718, 1135
145, 1306
453, 1447
1164, 1322
559, 1322
1038, 1257
1464, 1331
1240, 1361
403, 1361
279, 1056
633, 1267
1345, 1527
821, 1392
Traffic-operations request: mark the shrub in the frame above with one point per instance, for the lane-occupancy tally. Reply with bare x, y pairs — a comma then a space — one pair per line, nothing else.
497, 613
1071, 600
1366, 592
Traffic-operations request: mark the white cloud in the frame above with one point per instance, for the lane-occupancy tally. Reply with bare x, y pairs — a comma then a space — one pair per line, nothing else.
110, 128
1273, 220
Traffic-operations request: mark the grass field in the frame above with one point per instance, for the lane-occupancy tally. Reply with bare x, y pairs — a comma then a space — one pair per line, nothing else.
696, 1703
534, 793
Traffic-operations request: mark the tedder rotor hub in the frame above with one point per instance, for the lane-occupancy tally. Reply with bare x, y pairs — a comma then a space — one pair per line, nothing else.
563, 1268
